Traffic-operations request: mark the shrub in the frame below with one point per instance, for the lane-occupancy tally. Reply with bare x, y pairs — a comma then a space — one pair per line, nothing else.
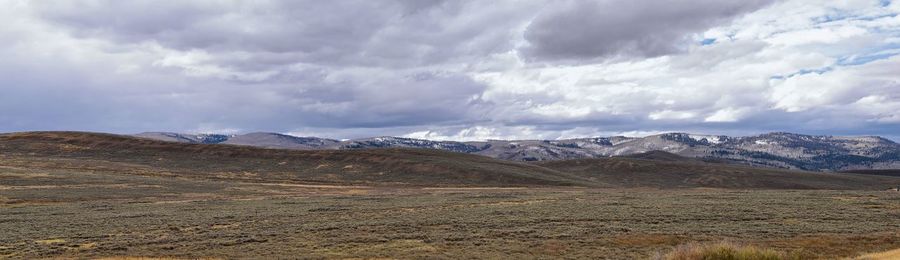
725, 251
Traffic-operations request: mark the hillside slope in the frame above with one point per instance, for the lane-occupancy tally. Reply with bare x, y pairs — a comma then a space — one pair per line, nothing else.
92, 152
666, 170
773, 150
416, 167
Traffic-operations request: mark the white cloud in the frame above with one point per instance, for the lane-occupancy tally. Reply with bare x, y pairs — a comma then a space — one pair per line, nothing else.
475, 133
727, 115
816, 35
880, 108
671, 115
839, 87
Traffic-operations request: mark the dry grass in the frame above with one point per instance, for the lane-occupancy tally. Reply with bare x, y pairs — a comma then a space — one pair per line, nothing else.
50, 241
886, 255
669, 172
428, 224
147, 258
726, 251
380, 167
119, 199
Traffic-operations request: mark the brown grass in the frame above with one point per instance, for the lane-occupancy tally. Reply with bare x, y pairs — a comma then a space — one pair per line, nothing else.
378, 167
643, 240
726, 251
147, 258
670, 172
886, 255
838, 245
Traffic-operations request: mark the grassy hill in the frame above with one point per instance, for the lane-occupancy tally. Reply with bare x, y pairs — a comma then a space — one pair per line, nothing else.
895, 173
404, 167
94, 152
666, 170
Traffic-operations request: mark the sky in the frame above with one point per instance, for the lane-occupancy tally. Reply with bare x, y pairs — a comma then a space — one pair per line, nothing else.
452, 70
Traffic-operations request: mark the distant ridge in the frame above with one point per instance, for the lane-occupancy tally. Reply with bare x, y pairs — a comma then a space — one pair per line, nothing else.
396, 166
186, 138
659, 156
665, 170
281, 141
895, 172
774, 150
382, 167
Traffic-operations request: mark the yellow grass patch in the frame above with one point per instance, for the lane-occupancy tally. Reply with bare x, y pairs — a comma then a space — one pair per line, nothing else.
356, 192
223, 226
50, 241
854, 198
791, 221
886, 255
87, 245
725, 250
72, 148
148, 258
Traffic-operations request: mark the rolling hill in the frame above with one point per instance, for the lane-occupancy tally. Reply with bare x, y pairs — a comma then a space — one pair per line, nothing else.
407, 167
773, 150
397, 166
666, 170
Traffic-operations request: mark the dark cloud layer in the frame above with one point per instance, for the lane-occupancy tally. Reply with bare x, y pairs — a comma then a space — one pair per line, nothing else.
581, 29
347, 32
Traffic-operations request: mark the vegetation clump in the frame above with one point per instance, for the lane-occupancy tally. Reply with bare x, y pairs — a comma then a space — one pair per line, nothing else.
726, 251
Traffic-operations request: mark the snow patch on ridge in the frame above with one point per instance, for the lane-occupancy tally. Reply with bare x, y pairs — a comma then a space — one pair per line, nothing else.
713, 139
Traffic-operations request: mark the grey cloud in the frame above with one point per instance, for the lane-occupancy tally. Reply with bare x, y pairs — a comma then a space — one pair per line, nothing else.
314, 29
349, 32
66, 102
58, 91
584, 30
412, 99
75, 86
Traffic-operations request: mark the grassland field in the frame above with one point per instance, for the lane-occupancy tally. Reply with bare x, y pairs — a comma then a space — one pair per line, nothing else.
71, 214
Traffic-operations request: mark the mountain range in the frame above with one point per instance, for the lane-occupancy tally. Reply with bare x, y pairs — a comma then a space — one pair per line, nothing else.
775, 150
120, 156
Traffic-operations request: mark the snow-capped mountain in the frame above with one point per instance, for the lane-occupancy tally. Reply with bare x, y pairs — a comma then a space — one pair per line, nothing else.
186, 138
395, 142
265, 140
781, 150
281, 141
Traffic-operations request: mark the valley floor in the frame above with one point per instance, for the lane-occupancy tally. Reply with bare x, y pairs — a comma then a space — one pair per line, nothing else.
84, 214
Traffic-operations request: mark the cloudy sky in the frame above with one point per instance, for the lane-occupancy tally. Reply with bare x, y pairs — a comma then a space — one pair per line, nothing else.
460, 70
